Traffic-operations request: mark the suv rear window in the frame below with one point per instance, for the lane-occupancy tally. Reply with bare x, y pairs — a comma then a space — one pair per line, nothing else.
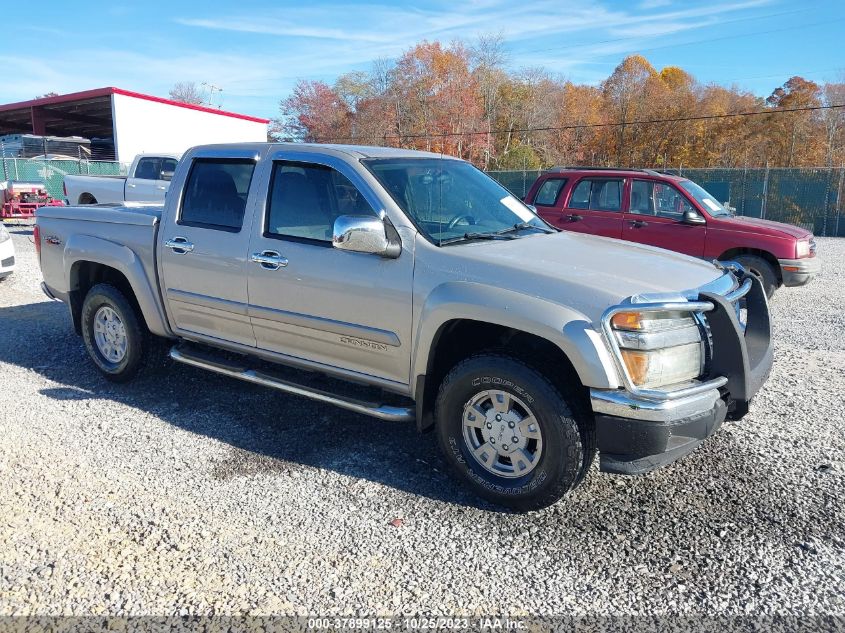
549, 191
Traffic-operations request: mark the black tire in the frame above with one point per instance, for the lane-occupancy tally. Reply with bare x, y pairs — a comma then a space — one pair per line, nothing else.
761, 269
567, 445
137, 337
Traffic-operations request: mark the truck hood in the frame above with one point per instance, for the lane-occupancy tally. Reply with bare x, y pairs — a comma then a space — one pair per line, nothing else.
584, 272
763, 227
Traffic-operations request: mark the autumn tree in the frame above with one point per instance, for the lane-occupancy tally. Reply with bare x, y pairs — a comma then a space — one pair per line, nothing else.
627, 94
314, 112
462, 100
793, 130
488, 58
833, 122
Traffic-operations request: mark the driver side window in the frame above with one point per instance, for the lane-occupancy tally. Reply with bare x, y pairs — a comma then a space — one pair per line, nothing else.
658, 199
305, 200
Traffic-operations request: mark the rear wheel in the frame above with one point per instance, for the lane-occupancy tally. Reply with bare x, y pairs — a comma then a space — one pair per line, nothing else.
113, 333
761, 269
509, 433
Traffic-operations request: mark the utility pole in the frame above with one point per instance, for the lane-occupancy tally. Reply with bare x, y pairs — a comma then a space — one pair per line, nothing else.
211, 90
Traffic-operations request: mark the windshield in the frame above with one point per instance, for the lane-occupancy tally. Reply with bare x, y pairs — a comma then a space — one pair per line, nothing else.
713, 206
452, 201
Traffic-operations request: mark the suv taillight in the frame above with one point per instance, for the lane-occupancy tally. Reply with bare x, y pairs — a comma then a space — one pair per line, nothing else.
36, 237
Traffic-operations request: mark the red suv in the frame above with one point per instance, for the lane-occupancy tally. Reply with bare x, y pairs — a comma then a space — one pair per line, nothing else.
675, 213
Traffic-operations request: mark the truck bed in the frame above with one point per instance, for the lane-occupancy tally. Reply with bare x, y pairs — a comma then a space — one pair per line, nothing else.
124, 236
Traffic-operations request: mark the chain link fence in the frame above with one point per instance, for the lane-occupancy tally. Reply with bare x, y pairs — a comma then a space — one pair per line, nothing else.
53, 172
807, 197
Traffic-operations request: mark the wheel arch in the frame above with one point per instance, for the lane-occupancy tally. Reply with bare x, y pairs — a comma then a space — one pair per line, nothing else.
90, 260
764, 254
461, 319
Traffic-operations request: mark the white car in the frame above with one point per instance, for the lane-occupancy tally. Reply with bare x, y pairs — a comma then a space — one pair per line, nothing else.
7, 252
148, 180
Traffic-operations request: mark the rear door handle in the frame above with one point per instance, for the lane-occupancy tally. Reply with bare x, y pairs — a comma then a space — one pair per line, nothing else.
179, 245
269, 260
574, 217
131, 185
161, 188
639, 223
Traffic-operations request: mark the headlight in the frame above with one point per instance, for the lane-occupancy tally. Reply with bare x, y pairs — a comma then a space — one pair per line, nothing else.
659, 348
4, 233
803, 248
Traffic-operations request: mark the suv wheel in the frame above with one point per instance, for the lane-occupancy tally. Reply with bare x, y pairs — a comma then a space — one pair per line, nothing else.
113, 333
509, 433
761, 269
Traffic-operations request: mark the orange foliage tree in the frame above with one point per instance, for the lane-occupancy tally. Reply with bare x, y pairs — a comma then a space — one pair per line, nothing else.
461, 100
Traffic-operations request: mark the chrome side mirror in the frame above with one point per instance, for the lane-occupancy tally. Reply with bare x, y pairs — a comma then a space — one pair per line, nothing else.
167, 175
692, 217
362, 234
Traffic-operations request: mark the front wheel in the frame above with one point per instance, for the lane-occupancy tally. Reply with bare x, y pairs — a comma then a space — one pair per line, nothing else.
509, 433
113, 333
761, 269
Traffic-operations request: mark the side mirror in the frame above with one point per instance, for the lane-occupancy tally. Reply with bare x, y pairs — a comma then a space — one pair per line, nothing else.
532, 207
167, 175
692, 217
363, 234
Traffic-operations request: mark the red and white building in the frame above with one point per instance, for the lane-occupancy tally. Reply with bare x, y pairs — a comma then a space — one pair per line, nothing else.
125, 123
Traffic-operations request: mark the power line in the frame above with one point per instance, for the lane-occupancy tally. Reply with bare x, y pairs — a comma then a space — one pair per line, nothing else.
582, 126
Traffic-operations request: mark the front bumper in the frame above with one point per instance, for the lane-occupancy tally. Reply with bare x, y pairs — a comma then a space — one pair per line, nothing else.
797, 272
637, 433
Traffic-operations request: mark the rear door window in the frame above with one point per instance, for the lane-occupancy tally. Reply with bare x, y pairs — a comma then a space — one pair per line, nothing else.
597, 194
549, 192
216, 192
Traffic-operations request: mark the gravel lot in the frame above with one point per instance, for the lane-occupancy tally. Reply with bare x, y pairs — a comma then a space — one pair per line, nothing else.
188, 493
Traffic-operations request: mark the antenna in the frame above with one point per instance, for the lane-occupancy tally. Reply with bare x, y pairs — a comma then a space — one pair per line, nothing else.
211, 90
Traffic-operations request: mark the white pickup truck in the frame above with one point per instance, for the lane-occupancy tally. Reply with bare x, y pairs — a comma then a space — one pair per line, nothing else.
148, 181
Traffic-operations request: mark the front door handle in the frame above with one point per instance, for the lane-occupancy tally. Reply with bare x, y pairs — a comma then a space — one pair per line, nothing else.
638, 224
179, 245
130, 185
574, 217
269, 260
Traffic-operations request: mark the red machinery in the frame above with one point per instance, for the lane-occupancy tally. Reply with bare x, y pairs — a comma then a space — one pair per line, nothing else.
21, 199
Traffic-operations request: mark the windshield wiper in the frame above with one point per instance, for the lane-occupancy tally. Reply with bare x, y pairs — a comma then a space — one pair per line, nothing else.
521, 226
503, 234
466, 237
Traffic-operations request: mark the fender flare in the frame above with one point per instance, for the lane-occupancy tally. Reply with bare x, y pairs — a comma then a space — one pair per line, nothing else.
87, 248
569, 329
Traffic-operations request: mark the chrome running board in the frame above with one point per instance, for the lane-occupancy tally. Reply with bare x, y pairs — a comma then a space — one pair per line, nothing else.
376, 410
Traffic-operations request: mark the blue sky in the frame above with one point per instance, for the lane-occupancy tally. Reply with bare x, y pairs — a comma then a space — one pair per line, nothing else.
257, 50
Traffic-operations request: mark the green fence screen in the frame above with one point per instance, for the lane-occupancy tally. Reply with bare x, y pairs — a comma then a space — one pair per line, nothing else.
52, 172
807, 197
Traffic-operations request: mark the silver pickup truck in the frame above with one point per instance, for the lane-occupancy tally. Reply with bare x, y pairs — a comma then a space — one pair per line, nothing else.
418, 289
